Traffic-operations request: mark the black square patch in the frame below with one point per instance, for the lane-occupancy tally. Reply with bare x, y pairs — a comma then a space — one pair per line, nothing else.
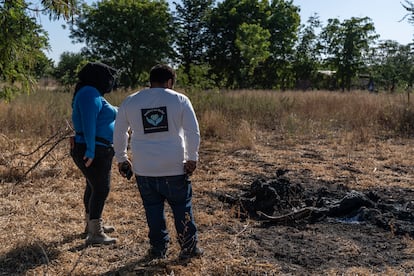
155, 119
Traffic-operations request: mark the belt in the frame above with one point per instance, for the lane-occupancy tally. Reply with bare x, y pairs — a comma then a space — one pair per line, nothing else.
98, 139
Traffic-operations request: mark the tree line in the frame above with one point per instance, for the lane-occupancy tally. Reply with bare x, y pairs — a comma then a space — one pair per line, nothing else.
231, 44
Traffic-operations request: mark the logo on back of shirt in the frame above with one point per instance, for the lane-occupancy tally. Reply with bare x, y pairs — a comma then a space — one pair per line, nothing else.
155, 119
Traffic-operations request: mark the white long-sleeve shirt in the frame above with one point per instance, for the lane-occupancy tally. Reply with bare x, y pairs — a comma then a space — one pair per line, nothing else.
164, 132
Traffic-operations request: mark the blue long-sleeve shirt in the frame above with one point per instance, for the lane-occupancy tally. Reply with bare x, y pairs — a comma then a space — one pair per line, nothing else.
93, 116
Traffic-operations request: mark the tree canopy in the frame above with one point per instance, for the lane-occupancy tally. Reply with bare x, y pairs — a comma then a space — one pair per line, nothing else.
22, 40
345, 44
234, 27
191, 34
229, 44
130, 35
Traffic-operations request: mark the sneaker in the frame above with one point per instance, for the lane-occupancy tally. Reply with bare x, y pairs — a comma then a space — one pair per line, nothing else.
155, 253
185, 254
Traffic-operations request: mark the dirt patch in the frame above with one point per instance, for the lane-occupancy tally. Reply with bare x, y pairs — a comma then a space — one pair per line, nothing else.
298, 207
313, 225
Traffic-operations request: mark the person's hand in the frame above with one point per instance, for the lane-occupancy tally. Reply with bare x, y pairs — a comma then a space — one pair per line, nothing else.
125, 169
88, 161
190, 166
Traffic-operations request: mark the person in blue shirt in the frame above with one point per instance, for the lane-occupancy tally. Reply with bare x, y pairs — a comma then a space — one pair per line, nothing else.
93, 119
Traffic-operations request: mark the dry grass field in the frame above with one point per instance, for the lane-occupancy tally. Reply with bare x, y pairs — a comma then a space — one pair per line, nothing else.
330, 141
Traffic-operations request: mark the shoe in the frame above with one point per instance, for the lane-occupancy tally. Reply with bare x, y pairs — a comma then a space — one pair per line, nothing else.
185, 254
96, 234
155, 253
106, 228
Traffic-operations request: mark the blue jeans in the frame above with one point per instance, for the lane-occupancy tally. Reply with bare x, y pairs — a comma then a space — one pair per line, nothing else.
177, 191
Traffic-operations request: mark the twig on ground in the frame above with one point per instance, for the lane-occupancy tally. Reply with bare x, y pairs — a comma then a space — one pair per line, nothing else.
244, 229
8, 140
47, 152
291, 217
57, 137
77, 261
46, 257
39, 147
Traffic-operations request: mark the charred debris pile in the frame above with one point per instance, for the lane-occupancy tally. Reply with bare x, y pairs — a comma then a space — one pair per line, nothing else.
291, 200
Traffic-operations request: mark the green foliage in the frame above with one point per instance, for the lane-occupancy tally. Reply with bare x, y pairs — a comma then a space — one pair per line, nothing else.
253, 43
234, 44
127, 34
307, 54
409, 7
22, 40
224, 24
234, 21
68, 67
60, 8
392, 65
43, 67
198, 77
345, 45
191, 36
283, 22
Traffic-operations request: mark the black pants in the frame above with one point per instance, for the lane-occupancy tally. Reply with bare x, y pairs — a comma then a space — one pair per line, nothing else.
98, 177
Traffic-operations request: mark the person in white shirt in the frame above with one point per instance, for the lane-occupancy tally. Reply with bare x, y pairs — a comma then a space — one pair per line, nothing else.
164, 139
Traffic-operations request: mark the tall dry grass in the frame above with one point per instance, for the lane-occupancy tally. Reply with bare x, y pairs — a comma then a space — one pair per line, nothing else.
240, 115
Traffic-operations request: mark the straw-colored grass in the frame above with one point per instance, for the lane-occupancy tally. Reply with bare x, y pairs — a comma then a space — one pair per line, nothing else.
222, 113
325, 136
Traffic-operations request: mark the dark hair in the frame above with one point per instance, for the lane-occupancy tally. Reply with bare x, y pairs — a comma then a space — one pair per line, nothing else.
161, 73
98, 75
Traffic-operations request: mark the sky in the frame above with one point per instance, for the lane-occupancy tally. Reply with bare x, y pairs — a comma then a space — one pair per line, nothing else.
387, 16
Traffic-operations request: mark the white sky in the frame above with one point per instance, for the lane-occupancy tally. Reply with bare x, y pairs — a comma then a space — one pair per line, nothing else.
386, 15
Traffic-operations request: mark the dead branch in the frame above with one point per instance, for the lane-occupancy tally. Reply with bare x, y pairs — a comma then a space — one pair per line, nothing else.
8, 140
46, 257
63, 137
68, 131
77, 261
291, 217
39, 147
244, 229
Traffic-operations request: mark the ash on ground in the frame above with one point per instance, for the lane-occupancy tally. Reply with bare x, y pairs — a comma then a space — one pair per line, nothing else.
288, 200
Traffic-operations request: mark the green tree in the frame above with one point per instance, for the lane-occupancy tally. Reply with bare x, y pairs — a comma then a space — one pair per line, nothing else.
22, 40
57, 9
405, 61
345, 46
68, 67
392, 65
130, 35
190, 18
307, 54
44, 67
409, 7
253, 44
224, 24
282, 21
279, 19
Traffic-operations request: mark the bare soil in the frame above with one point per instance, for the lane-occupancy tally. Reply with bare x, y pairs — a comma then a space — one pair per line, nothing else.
41, 215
